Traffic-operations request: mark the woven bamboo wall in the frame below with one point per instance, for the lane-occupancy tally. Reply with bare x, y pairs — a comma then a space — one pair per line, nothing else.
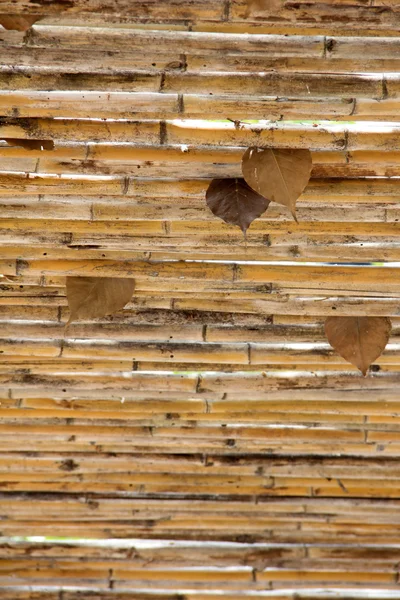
206, 441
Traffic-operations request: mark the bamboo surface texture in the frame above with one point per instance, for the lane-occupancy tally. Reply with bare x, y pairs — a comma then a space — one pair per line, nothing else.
205, 442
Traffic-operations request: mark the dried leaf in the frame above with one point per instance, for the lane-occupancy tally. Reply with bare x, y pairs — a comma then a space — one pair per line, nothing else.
233, 201
359, 340
31, 144
281, 175
18, 23
94, 297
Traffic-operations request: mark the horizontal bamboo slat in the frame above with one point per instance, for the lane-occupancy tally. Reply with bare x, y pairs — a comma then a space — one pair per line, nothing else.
206, 134
83, 592
322, 17
320, 305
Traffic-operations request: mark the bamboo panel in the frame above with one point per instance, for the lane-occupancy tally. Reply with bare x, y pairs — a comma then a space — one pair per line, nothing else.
138, 82
30, 594
245, 437
254, 556
52, 285
232, 397
29, 244
14, 52
273, 240
150, 9
257, 402
147, 303
348, 414
380, 190
204, 472
277, 363
158, 580
295, 55
293, 85
197, 274
209, 437
317, 306
147, 412
322, 17
101, 61
162, 413
197, 579
159, 161
262, 381
120, 381
276, 406
191, 105
191, 353
252, 62
92, 509
65, 207
139, 105
66, 130
318, 138
290, 84
154, 320
37, 420
50, 289
79, 356
147, 5
128, 328
165, 553
337, 190
129, 39
381, 447
289, 535
73, 574
89, 104
319, 15
322, 534
320, 306
204, 134
296, 253
37, 593
152, 169
53, 45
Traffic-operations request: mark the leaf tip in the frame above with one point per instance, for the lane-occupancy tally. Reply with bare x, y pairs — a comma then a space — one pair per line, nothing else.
68, 323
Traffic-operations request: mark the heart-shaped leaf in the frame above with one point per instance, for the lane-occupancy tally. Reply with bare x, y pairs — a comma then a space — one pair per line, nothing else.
31, 144
281, 175
233, 201
359, 340
94, 297
18, 23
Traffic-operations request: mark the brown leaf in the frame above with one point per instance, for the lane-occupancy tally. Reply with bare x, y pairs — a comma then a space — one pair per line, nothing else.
94, 297
359, 340
31, 144
233, 201
281, 175
18, 23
